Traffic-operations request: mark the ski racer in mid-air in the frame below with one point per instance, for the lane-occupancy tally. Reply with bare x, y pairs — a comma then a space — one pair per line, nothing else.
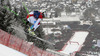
34, 18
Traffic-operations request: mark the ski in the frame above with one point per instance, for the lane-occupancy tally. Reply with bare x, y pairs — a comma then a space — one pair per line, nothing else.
33, 34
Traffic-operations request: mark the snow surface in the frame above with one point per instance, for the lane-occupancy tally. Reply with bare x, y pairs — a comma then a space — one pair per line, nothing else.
6, 51
75, 43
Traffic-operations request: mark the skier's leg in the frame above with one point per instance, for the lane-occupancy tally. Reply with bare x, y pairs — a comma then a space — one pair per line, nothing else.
36, 27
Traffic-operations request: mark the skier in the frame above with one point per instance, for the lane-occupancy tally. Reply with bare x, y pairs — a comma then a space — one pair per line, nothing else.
34, 18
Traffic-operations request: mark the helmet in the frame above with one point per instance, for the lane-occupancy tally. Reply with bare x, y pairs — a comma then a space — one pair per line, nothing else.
36, 14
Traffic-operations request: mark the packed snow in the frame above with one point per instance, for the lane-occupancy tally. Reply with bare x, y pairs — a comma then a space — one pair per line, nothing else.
6, 51
75, 43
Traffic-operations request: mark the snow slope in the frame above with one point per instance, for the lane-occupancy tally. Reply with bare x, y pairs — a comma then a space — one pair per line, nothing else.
75, 43
6, 51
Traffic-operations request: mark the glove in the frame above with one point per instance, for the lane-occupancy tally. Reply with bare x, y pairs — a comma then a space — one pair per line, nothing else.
27, 22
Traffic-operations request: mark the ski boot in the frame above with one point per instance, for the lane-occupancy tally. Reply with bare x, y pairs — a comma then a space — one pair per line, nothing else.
31, 32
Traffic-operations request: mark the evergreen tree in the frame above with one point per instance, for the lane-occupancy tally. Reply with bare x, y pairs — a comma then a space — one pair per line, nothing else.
5, 15
2, 1
8, 4
88, 15
7, 18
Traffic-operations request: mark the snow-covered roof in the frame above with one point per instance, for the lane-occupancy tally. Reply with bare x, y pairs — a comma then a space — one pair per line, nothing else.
49, 23
68, 18
98, 43
47, 30
57, 32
